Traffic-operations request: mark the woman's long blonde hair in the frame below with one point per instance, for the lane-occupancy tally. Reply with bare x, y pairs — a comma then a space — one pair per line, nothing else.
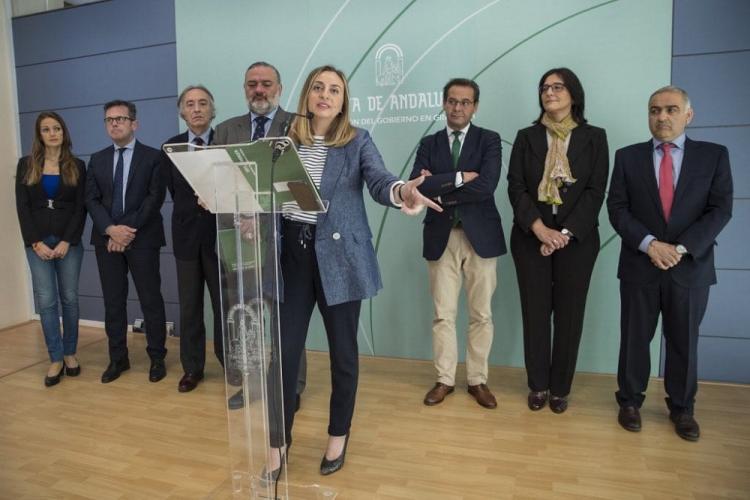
341, 131
35, 164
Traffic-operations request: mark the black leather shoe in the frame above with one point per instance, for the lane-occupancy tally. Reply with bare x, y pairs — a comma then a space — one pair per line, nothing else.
157, 371
536, 400
72, 372
189, 381
330, 466
630, 418
558, 405
55, 379
685, 426
236, 401
114, 370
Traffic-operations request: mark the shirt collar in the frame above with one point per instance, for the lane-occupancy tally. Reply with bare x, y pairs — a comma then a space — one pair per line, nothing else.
463, 131
270, 115
679, 142
130, 145
205, 135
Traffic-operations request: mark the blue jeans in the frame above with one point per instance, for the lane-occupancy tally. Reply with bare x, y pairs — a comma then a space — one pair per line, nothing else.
48, 278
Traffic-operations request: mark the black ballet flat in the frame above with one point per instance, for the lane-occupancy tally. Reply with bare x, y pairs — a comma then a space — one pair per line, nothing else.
330, 466
55, 379
72, 372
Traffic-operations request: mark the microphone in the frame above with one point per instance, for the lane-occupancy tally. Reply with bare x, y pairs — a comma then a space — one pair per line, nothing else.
287, 123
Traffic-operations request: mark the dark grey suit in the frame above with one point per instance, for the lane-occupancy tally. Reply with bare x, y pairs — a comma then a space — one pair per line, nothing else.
237, 129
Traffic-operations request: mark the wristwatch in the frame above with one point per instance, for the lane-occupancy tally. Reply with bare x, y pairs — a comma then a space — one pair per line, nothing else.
681, 249
567, 233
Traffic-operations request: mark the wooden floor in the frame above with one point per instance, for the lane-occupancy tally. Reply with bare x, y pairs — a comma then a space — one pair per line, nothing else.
132, 439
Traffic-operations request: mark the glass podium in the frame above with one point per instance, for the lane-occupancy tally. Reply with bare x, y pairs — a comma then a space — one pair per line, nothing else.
248, 186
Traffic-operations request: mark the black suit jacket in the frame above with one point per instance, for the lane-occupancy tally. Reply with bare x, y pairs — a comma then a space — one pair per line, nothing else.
144, 195
475, 200
701, 208
37, 221
588, 155
192, 225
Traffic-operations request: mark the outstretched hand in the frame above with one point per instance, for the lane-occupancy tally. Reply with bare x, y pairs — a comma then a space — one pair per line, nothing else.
413, 201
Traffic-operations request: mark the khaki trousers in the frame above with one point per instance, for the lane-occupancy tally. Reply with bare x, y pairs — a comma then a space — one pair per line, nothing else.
460, 263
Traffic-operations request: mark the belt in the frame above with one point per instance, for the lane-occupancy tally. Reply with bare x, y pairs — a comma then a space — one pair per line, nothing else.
52, 204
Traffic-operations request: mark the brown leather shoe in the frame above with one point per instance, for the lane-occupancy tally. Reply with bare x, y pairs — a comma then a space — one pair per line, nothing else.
629, 418
685, 426
437, 394
483, 395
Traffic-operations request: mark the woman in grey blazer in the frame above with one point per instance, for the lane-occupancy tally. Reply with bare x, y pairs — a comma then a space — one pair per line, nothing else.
328, 259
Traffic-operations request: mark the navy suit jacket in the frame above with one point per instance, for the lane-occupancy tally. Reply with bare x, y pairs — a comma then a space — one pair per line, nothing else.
701, 208
192, 225
588, 155
481, 152
144, 195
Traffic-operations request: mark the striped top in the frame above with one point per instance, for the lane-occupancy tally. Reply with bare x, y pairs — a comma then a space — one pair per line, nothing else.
314, 159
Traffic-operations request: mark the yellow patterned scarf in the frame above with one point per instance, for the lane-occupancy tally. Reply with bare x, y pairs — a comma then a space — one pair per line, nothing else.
556, 166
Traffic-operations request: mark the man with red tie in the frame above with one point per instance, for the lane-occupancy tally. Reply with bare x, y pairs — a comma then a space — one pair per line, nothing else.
669, 198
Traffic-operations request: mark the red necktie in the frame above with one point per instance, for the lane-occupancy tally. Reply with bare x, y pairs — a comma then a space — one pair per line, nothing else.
666, 180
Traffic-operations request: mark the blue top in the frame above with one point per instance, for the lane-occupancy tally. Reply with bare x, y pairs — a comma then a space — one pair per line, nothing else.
51, 184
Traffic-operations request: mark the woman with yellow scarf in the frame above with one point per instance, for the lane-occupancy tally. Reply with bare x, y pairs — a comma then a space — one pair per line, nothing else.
556, 182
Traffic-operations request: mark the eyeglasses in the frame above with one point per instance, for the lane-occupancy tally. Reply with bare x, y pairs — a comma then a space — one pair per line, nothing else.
556, 88
116, 119
464, 104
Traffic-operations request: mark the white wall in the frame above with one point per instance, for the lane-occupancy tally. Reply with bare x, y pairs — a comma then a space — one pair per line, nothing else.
15, 303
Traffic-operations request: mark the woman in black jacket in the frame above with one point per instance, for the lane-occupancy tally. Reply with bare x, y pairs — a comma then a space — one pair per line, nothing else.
50, 203
556, 181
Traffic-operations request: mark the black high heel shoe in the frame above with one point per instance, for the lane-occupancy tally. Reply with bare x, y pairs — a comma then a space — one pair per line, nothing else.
72, 372
273, 475
55, 379
330, 466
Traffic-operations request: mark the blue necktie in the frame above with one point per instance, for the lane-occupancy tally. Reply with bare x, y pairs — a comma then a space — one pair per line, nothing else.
260, 127
117, 195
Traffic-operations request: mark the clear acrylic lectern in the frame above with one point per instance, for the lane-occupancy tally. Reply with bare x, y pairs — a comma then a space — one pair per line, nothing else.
248, 186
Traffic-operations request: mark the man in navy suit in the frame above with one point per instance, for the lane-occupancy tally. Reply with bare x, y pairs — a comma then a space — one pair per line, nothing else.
462, 165
669, 199
194, 243
124, 193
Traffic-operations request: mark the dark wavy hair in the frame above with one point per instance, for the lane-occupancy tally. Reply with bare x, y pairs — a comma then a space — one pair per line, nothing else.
35, 165
575, 89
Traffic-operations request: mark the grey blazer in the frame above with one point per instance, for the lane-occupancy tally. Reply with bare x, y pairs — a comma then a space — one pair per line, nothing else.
343, 240
237, 129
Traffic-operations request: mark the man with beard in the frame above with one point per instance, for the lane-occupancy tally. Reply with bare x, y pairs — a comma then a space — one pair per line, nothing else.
266, 118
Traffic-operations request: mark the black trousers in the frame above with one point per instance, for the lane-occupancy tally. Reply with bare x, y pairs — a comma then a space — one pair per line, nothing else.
553, 292
302, 291
682, 311
143, 264
191, 276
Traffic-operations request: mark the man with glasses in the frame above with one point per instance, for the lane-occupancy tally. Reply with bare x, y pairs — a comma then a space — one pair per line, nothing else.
124, 194
669, 198
266, 118
461, 244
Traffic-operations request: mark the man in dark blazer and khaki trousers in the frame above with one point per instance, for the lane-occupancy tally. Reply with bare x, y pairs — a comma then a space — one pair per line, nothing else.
462, 165
124, 194
669, 199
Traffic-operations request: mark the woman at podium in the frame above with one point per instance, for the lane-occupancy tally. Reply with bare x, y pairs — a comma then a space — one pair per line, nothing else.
327, 259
